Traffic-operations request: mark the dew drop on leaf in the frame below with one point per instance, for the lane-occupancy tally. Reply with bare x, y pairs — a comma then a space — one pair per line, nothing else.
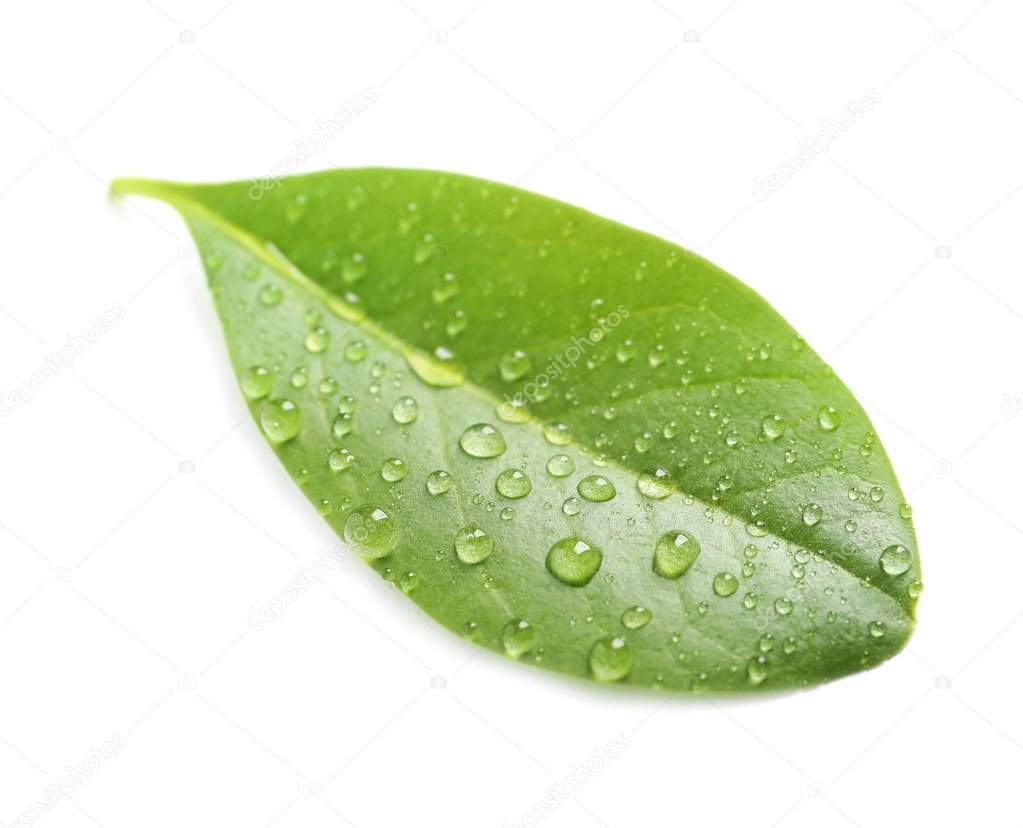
473, 545
281, 420
674, 553
513, 483
756, 670
773, 427
557, 434
317, 340
340, 459
596, 488
560, 465
405, 411
518, 637
270, 295
725, 584
812, 514
573, 561
343, 425
611, 659
257, 382
514, 365
636, 618
356, 351
572, 506
438, 482
828, 418
655, 484
394, 470
896, 560
371, 532
482, 440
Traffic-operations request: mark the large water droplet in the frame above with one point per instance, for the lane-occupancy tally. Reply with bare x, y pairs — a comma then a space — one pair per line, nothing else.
281, 420
513, 483
514, 365
596, 488
371, 532
573, 561
674, 553
473, 545
558, 434
518, 637
611, 659
482, 440
896, 560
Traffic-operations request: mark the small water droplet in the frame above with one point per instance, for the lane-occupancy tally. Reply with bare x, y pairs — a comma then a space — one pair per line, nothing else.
270, 295
438, 482
572, 506
812, 514
281, 420
513, 483
756, 670
725, 584
394, 470
405, 411
557, 434
340, 459
356, 351
473, 545
317, 340
877, 629
408, 582
514, 365
895, 560
828, 418
773, 427
343, 425
596, 488
655, 484
611, 659
674, 553
371, 532
573, 561
518, 637
482, 440
560, 465
353, 268
636, 618
257, 382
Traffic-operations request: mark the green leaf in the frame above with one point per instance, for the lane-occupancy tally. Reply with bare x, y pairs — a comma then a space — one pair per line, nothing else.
567, 440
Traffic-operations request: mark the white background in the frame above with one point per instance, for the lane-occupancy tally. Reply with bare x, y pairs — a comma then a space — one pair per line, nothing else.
127, 583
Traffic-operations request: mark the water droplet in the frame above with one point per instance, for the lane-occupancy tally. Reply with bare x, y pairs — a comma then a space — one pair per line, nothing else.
905, 511
317, 340
756, 670
518, 637
473, 545
914, 588
300, 378
560, 465
482, 440
438, 482
281, 420
394, 470
405, 411
596, 488
445, 288
773, 427
371, 532
514, 365
356, 351
408, 582
440, 369
343, 425
828, 418
346, 405
895, 560
876, 494
573, 561
636, 618
340, 459
270, 295
295, 209
725, 584
353, 268
611, 659
572, 506
257, 382
513, 483
655, 484
783, 606
328, 387
558, 434
812, 514
876, 629
675, 553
